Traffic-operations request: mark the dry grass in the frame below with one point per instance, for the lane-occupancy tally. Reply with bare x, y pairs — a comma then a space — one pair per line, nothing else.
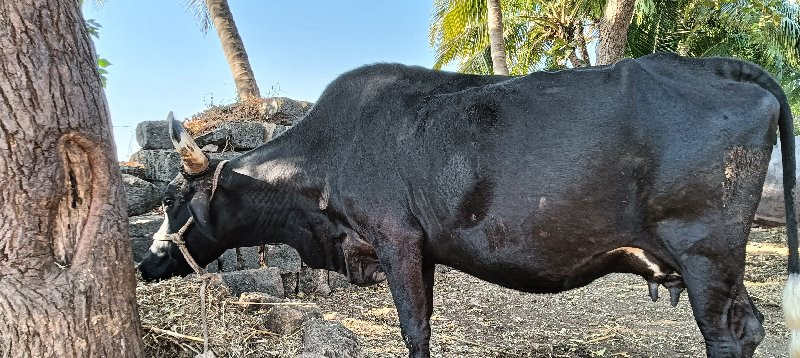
210, 119
170, 314
131, 164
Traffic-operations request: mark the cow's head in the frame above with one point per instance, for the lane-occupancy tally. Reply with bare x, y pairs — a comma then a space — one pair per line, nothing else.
188, 195
272, 202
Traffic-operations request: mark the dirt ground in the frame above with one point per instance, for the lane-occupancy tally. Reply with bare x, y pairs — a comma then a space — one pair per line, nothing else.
612, 317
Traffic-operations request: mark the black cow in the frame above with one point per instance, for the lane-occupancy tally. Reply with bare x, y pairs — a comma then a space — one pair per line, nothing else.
540, 183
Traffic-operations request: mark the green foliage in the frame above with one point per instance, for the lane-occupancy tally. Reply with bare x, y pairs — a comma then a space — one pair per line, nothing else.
764, 32
94, 30
554, 34
538, 34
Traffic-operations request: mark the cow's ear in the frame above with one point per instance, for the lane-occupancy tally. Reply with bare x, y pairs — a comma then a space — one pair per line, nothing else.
199, 207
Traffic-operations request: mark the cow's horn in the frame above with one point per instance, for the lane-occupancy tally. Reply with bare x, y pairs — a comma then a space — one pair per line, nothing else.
194, 160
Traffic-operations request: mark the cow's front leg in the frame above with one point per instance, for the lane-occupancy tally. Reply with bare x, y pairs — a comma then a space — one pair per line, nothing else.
410, 277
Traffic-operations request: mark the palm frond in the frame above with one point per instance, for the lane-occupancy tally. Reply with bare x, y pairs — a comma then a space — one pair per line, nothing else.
200, 11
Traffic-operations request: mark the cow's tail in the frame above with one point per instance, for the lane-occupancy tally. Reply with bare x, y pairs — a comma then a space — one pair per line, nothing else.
791, 293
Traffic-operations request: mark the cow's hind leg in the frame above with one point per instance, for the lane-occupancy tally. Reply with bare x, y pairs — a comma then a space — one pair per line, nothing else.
709, 246
712, 268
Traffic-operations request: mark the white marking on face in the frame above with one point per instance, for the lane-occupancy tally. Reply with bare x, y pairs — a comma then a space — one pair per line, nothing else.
639, 254
160, 243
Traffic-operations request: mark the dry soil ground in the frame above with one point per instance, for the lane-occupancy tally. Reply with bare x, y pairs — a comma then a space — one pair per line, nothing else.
612, 317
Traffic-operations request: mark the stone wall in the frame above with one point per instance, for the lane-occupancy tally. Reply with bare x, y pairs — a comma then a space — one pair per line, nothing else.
275, 269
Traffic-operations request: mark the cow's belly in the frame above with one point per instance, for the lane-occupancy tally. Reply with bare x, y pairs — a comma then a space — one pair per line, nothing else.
534, 260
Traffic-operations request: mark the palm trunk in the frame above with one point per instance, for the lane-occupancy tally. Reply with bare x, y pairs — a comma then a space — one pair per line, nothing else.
233, 47
613, 31
496, 42
66, 272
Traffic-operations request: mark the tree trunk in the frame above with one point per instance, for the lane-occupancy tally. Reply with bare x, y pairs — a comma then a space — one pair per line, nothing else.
66, 273
613, 31
233, 47
496, 42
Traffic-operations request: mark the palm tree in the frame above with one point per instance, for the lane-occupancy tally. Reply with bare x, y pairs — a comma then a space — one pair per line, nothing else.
613, 30
496, 43
766, 33
538, 34
218, 13
554, 34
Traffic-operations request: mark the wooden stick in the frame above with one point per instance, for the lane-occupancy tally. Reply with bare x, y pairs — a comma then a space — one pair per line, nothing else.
173, 334
598, 339
274, 303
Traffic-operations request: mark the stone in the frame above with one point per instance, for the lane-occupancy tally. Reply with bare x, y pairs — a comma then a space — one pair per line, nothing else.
330, 340
135, 169
266, 279
153, 135
144, 225
290, 283
210, 148
286, 111
161, 186
225, 262
230, 260
258, 299
161, 165
140, 246
224, 155
141, 230
284, 257
313, 281
443, 269
246, 135
771, 210
285, 319
269, 130
337, 281
141, 196
279, 129
219, 136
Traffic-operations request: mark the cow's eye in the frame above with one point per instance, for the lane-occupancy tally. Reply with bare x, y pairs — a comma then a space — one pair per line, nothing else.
168, 202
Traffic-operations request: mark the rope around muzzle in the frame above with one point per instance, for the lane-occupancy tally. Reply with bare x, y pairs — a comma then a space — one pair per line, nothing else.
202, 275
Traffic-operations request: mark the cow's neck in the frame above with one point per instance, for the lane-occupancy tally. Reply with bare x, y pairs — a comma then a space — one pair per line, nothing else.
273, 199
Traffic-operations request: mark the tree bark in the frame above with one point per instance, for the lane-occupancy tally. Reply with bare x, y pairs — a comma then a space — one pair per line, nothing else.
613, 31
67, 285
233, 47
496, 41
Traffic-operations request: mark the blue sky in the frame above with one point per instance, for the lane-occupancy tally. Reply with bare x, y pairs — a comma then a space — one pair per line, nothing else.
162, 62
